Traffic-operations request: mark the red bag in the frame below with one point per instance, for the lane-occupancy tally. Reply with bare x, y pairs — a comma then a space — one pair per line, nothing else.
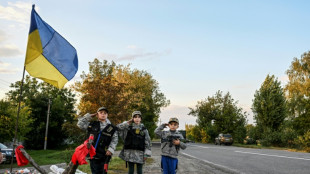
20, 158
81, 152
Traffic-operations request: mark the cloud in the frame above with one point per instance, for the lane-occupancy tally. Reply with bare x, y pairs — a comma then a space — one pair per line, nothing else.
5, 68
9, 51
108, 56
140, 54
132, 47
17, 12
3, 36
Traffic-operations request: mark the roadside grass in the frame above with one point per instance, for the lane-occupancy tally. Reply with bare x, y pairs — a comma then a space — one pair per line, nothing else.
45, 157
266, 147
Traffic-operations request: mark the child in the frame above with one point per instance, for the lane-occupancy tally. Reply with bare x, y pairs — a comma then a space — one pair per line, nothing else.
105, 138
170, 145
137, 142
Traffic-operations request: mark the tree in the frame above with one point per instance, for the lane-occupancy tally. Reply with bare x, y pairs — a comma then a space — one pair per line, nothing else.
298, 93
220, 114
122, 91
35, 97
8, 115
269, 106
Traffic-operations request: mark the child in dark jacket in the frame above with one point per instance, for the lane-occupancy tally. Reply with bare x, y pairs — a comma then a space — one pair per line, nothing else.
170, 145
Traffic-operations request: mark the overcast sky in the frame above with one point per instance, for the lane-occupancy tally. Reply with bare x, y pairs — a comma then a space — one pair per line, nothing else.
192, 48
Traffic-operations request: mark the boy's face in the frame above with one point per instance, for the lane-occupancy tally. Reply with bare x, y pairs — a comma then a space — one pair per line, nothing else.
102, 115
137, 119
173, 125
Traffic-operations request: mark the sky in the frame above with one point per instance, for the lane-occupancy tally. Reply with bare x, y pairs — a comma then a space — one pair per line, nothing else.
191, 48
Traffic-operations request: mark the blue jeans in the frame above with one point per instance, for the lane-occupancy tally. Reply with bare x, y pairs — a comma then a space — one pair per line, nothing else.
169, 165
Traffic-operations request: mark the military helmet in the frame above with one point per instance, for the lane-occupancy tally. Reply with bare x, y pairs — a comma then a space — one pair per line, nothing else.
103, 108
174, 119
136, 113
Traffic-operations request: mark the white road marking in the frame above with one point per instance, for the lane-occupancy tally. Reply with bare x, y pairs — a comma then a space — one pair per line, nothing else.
222, 148
200, 146
307, 159
225, 167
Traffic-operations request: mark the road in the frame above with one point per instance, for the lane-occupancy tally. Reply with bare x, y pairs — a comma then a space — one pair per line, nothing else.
253, 161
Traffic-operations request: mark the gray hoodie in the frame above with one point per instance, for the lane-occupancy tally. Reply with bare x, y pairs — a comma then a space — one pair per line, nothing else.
166, 150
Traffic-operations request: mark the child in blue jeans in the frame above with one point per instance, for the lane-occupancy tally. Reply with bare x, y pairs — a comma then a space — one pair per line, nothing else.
170, 145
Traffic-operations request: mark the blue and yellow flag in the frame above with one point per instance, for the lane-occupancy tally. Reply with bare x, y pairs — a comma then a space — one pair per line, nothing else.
49, 56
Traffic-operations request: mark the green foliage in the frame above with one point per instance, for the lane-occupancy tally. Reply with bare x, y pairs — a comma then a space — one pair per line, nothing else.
35, 97
252, 131
193, 133
298, 93
287, 137
249, 140
269, 108
271, 138
8, 113
76, 136
220, 114
304, 141
122, 91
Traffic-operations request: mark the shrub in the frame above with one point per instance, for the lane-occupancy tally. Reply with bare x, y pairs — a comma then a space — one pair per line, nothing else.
304, 141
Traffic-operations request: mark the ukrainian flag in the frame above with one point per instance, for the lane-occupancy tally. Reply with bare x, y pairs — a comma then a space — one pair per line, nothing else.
49, 56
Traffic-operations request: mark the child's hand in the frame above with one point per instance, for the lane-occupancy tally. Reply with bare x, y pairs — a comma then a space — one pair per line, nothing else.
92, 115
108, 153
176, 142
129, 121
165, 125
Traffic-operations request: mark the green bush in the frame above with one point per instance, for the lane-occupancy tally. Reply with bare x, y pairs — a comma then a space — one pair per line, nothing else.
249, 141
272, 138
303, 142
288, 136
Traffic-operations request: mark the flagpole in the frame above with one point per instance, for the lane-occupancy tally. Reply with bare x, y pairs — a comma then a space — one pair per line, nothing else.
16, 125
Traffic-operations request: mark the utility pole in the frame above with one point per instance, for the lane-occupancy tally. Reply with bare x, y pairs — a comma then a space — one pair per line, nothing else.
47, 120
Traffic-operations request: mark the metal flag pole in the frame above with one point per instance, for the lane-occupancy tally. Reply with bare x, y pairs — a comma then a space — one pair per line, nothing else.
16, 125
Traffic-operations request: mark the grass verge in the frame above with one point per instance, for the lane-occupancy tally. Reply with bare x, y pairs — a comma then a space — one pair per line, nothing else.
266, 147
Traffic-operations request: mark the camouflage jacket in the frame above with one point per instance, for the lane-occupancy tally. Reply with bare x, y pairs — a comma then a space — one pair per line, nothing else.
130, 155
83, 123
167, 148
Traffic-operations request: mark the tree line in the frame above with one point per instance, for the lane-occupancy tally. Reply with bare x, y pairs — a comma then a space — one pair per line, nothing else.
119, 88
281, 112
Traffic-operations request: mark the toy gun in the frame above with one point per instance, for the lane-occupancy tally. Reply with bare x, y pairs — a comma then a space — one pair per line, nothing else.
170, 139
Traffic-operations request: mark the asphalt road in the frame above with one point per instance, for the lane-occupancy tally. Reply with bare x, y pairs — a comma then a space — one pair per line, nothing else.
253, 161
